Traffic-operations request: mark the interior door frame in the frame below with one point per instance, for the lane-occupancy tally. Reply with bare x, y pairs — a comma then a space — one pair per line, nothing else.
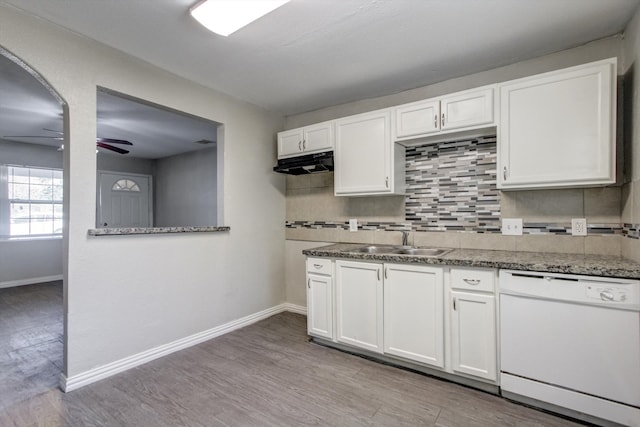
124, 174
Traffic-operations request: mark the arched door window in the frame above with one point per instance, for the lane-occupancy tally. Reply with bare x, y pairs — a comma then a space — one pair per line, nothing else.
125, 185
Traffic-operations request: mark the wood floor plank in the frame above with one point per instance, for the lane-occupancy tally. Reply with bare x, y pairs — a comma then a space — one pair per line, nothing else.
266, 374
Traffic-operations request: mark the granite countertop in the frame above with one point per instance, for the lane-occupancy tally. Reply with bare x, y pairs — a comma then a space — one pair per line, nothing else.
152, 230
592, 265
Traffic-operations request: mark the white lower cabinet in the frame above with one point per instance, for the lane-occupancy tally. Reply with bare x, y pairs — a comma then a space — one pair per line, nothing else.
473, 323
359, 304
320, 298
414, 313
401, 310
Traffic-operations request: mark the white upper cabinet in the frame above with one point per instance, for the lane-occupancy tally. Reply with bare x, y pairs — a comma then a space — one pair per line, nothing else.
307, 140
419, 118
472, 108
466, 110
558, 129
366, 160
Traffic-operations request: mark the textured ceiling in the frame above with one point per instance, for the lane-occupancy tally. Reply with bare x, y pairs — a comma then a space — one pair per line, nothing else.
310, 54
27, 109
305, 55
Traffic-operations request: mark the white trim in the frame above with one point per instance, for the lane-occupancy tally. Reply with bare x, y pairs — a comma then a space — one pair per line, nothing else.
74, 382
43, 279
294, 308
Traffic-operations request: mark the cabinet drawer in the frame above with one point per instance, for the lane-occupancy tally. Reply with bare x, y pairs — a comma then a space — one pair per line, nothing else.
472, 279
319, 266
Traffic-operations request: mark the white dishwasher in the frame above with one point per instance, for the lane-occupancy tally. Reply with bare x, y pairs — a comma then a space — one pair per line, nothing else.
572, 342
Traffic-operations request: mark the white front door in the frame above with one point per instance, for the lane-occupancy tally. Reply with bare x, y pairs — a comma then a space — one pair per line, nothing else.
124, 200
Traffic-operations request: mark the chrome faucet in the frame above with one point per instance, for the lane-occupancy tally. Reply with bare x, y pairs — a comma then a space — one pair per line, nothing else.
405, 238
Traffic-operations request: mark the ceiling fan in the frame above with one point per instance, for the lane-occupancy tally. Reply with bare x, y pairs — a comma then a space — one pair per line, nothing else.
105, 143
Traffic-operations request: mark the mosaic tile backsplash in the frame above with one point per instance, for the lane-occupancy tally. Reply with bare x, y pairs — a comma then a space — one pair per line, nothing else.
452, 186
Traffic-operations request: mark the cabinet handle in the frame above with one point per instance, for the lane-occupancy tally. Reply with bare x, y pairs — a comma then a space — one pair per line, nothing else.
378, 275
504, 173
386, 182
442, 122
309, 283
304, 144
472, 282
318, 266
454, 303
299, 145
435, 121
386, 272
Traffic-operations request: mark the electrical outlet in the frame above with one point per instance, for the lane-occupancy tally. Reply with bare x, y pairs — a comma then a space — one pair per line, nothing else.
512, 226
353, 224
578, 226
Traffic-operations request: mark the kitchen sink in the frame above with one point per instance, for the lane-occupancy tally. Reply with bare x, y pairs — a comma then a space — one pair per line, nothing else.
422, 251
373, 249
399, 250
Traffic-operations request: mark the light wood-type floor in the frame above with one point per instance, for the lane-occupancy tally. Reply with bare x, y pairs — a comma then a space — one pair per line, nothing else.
266, 374
30, 341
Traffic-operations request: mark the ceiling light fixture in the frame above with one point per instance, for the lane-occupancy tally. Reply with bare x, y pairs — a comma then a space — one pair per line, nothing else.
225, 17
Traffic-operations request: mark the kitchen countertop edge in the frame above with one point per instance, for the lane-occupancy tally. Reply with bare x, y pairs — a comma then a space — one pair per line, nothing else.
589, 265
127, 231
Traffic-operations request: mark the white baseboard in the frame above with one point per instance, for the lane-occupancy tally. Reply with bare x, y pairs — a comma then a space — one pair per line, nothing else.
31, 281
294, 308
74, 382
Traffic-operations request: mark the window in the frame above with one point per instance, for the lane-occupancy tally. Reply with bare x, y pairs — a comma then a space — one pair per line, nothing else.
33, 202
125, 185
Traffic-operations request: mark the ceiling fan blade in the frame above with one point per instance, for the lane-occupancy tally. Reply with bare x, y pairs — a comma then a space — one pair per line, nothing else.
113, 141
33, 136
112, 148
53, 130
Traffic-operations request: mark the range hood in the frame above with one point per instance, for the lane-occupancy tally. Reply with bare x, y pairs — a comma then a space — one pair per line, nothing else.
309, 163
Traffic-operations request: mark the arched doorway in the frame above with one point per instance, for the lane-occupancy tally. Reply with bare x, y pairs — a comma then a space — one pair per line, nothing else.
32, 232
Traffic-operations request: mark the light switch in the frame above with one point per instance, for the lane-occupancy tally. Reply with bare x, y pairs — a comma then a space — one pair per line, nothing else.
353, 224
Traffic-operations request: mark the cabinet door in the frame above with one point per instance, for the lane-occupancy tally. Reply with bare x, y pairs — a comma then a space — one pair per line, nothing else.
473, 334
363, 154
558, 129
290, 143
359, 304
418, 118
414, 313
319, 305
318, 138
467, 109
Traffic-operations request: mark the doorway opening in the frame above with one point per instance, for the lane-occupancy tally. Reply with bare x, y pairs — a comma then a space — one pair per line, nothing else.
32, 233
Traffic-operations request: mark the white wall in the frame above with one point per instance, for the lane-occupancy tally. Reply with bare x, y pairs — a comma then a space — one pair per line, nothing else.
185, 189
631, 190
128, 294
23, 262
295, 270
32, 261
125, 164
23, 154
600, 49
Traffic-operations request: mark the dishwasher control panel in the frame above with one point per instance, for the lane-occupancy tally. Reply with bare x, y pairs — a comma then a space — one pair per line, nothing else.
591, 290
607, 293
